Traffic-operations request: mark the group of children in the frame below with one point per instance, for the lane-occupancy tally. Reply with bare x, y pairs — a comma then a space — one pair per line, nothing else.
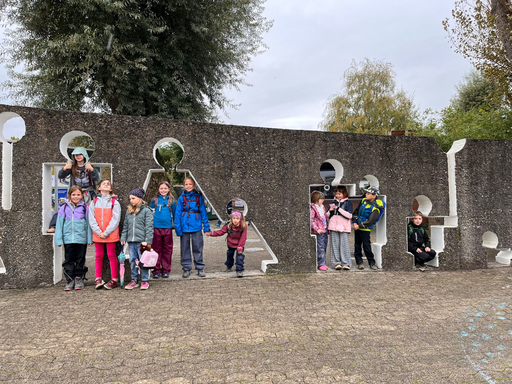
339, 218
92, 214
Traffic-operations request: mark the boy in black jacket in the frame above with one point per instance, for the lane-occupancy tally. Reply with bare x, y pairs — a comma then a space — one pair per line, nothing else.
419, 242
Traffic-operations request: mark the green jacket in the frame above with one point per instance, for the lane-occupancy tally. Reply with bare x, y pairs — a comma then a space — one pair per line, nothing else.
138, 228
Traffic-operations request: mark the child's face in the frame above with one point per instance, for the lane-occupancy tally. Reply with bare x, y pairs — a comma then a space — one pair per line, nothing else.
417, 220
320, 201
370, 197
76, 196
235, 220
189, 185
163, 190
134, 200
105, 186
79, 158
338, 195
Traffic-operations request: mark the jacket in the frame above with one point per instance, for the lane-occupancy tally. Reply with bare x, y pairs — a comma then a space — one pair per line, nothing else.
236, 237
189, 217
138, 228
90, 178
316, 220
73, 225
365, 214
163, 216
105, 219
417, 238
340, 217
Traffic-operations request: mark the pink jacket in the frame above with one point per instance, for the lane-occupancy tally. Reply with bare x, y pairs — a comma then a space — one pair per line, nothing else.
316, 220
341, 222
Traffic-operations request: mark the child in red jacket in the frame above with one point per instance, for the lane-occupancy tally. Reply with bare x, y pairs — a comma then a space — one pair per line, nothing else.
237, 234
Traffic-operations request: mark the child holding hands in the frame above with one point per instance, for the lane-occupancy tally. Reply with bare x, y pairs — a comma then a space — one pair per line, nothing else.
237, 235
137, 229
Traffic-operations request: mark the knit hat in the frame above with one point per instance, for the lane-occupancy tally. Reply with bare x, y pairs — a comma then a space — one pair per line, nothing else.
238, 214
138, 192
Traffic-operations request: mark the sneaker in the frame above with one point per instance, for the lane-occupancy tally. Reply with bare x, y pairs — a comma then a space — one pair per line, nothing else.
133, 284
186, 274
112, 284
420, 267
98, 283
323, 267
374, 267
156, 275
338, 267
201, 273
360, 266
346, 267
228, 270
79, 283
144, 285
165, 275
70, 285
239, 273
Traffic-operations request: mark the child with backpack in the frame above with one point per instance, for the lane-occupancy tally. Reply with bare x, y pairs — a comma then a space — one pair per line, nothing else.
137, 229
104, 221
237, 235
318, 218
73, 231
164, 207
418, 242
366, 215
340, 215
190, 218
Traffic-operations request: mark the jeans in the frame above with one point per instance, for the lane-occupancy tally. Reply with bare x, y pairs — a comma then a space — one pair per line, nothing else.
321, 247
239, 259
134, 250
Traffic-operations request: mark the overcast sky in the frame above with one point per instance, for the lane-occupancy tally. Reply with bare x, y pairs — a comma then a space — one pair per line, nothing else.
312, 43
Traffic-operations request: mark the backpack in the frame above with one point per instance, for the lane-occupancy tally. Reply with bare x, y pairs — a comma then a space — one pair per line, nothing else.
381, 206
186, 207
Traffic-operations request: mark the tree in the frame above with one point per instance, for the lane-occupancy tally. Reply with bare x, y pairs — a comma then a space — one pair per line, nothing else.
475, 91
369, 102
167, 58
482, 33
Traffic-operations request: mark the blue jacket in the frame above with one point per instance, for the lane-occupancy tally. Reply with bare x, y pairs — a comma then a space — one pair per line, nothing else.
163, 216
73, 225
190, 217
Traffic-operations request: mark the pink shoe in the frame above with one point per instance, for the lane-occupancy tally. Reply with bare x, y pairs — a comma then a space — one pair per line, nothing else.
144, 285
133, 284
323, 267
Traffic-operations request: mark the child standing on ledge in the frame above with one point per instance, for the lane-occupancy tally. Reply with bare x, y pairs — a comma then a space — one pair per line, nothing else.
340, 215
319, 228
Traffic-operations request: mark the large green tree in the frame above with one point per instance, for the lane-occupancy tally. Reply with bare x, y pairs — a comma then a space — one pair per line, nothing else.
369, 102
481, 31
168, 58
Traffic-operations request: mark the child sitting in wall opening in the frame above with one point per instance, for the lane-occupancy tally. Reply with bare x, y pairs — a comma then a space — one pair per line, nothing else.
418, 242
319, 228
237, 235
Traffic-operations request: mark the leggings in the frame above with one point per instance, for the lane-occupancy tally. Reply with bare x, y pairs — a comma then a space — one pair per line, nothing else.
112, 257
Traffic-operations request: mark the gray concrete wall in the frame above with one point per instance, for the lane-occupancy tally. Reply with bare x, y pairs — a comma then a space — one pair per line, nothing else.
270, 169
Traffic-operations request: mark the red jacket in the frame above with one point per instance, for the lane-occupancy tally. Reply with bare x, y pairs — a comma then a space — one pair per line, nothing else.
236, 237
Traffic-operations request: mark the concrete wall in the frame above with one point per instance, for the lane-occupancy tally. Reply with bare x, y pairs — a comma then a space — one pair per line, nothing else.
271, 170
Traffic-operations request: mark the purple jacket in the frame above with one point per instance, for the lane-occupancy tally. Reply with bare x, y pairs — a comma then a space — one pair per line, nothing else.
73, 224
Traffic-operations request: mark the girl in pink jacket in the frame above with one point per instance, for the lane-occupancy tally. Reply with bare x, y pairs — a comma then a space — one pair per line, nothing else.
340, 215
319, 228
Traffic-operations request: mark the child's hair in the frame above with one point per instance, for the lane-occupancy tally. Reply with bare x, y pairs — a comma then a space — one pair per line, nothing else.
342, 189
136, 209
171, 197
418, 213
315, 196
111, 186
74, 188
242, 221
191, 179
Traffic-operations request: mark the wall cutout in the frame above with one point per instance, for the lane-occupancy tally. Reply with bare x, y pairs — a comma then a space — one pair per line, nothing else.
74, 139
331, 172
423, 204
490, 240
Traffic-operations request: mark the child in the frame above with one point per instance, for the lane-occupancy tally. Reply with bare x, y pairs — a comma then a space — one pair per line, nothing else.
340, 215
74, 232
137, 229
82, 173
164, 207
237, 234
419, 243
189, 219
319, 228
366, 213
104, 221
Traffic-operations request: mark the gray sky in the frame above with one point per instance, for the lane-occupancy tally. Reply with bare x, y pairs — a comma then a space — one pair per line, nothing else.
312, 43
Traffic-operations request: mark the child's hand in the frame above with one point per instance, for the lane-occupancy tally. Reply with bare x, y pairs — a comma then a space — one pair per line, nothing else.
240, 249
67, 166
419, 250
102, 236
123, 242
427, 249
89, 245
320, 231
89, 167
144, 243
355, 226
208, 234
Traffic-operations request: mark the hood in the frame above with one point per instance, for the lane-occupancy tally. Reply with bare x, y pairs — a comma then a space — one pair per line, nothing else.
79, 151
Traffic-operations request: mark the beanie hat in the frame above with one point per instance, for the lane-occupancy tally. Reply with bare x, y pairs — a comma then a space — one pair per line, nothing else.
236, 213
138, 192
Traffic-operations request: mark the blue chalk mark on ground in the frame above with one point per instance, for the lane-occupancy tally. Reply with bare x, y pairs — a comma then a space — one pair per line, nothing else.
486, 343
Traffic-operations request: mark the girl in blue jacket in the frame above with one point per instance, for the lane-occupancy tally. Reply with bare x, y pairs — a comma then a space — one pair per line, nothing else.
190, 218
73, 231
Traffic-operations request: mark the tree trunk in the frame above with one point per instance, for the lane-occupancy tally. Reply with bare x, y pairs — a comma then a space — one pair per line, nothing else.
502, 11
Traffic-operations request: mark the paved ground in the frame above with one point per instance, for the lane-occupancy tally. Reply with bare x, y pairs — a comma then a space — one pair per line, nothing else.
350, 327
